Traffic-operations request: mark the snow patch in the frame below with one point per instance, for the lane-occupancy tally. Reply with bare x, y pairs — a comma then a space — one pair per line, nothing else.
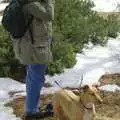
3, 94
106, 5
0, 19
3, 6
110, 88
8, 84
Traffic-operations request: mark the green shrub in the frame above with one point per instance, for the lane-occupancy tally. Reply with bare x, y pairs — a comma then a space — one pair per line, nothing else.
9, 66
79, 24
70, 20
113, 25
55, 67
6, 53
63, 56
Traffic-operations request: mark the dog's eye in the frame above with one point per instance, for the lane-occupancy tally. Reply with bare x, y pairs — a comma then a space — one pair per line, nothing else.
92, 94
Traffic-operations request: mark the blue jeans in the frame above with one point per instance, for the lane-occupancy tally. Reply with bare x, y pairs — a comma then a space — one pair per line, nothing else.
34, 82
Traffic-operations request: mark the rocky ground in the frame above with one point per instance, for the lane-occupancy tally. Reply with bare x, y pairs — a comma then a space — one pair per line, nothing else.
110, 79
108, 110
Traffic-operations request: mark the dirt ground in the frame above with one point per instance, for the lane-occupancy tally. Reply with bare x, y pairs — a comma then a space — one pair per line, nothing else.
108, 110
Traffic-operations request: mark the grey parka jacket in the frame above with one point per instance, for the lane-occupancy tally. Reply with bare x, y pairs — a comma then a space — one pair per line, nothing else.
38, 52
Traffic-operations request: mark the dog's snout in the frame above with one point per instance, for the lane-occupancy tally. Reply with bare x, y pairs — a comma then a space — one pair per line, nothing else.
100, 99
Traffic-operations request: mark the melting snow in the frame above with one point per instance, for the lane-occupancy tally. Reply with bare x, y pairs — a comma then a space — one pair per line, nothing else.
3, 6
7, 85
107, 5
111, 88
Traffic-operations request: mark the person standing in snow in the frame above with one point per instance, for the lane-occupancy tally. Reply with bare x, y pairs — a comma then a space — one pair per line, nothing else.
34, 50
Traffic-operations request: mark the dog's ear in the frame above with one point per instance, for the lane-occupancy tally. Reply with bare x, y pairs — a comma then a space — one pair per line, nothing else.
85, 88
97, 87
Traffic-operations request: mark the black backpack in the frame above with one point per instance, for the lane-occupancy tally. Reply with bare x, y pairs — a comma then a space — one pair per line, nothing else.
14, 20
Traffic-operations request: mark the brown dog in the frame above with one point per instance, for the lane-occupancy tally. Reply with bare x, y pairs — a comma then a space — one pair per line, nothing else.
68, 106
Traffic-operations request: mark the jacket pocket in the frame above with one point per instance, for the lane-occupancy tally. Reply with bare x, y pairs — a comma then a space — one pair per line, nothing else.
29, 53
41, 53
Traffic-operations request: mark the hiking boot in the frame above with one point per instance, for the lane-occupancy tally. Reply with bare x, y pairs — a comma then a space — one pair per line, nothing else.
29, 118
38, 115
44, 111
